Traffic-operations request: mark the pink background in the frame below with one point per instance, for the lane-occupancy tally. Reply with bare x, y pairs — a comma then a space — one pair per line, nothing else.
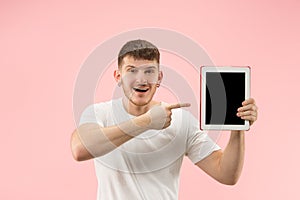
43, 44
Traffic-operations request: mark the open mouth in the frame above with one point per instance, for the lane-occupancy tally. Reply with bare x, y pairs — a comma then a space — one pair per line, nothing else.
141, 89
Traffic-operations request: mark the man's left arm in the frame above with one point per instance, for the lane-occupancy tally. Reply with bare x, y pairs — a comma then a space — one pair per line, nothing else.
226, 166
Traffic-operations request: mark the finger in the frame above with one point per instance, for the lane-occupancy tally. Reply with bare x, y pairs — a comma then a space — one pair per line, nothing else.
246, 113
248, 107
167, 125
248, 101
178, 105
251, 118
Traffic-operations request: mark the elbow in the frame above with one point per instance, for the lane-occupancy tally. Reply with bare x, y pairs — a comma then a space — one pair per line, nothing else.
79, 152
230, 180
77, 157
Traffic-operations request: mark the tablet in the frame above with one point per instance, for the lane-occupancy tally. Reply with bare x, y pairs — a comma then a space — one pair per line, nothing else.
223, 89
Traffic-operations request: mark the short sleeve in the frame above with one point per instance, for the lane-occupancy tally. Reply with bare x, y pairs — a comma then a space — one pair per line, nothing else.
93, 114
199, 144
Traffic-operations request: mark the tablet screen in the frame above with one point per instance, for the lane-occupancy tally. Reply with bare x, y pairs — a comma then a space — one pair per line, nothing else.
225, 103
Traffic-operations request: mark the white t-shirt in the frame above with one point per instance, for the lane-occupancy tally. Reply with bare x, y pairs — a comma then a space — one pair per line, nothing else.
147, 166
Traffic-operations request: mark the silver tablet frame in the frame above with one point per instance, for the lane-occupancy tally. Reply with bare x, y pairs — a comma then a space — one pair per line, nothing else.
232, 69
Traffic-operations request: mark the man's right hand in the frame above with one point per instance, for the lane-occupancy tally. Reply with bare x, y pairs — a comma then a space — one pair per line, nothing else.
160, 115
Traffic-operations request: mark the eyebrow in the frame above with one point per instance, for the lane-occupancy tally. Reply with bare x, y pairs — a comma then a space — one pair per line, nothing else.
148, 67
152, 67
128, 66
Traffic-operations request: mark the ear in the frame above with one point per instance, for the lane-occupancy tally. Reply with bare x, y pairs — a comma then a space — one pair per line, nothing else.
117, 76
160, 76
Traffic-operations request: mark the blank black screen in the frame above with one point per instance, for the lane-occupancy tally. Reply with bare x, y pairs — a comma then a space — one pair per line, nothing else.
225, 92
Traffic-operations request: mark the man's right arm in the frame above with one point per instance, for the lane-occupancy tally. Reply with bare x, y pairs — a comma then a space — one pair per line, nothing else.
91, 140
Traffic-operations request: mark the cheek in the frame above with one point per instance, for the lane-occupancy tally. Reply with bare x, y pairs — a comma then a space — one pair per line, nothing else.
128, 80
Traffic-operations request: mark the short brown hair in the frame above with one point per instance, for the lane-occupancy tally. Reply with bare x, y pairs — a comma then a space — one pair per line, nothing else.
139, 49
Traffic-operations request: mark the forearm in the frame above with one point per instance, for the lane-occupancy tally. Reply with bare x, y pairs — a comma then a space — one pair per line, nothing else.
91, 140
226, 166
232, 160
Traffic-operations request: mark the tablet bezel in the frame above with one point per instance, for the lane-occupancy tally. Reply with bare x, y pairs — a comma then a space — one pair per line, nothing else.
232, 69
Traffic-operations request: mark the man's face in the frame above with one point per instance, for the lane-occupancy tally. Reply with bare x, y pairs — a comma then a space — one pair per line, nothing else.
139, 79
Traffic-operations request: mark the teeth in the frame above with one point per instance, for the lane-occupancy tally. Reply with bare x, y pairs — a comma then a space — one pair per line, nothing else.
140, 90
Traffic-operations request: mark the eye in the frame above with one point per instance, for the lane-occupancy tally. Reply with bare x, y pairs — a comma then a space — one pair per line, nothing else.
132, 70
149, 71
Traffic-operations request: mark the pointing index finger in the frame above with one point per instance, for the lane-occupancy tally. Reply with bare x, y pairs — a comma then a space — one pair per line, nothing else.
179, 105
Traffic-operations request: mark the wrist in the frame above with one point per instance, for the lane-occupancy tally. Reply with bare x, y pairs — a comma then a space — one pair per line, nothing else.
135, 126
143, 121
237, 134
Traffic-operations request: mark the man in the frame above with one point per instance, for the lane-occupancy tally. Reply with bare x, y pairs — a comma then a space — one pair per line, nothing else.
138, 143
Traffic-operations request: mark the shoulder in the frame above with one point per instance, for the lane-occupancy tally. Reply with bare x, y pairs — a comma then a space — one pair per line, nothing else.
97, 112
106, 105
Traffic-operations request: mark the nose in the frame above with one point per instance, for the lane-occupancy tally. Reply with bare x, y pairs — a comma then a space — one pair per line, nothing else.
140, 77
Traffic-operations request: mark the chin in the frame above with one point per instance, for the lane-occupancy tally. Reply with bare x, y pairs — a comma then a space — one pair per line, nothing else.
140, 101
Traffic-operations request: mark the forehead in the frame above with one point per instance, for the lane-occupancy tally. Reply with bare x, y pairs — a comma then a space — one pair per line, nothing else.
131, 61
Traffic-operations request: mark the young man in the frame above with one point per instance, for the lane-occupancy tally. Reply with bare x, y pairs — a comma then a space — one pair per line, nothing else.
138, 143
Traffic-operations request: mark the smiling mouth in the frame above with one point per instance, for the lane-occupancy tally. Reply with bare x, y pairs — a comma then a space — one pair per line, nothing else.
141, 89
